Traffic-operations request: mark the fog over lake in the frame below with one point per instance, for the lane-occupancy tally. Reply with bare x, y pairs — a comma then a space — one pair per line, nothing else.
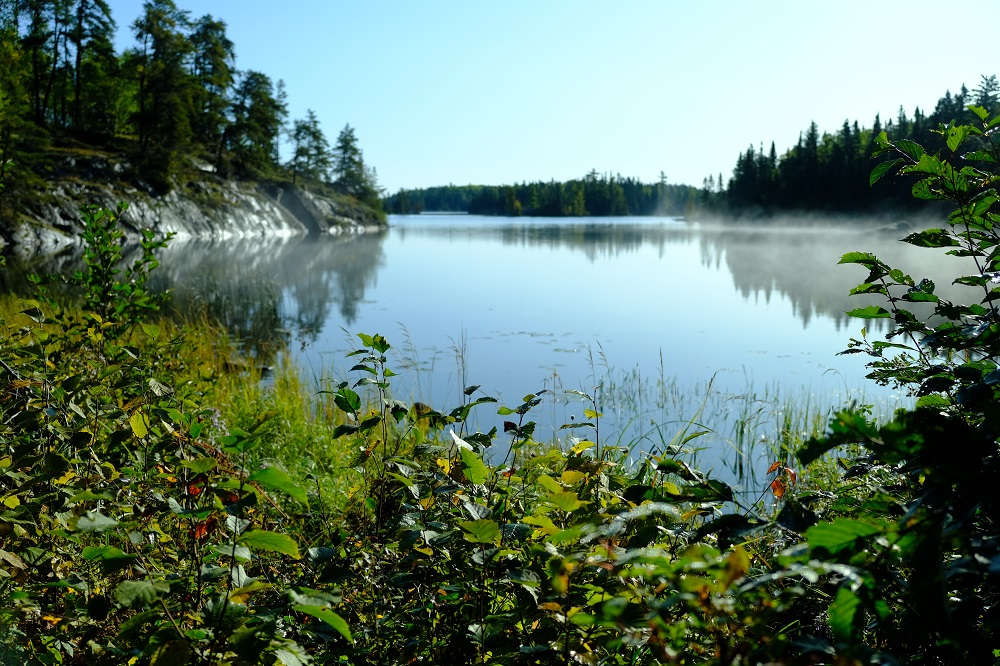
517, 305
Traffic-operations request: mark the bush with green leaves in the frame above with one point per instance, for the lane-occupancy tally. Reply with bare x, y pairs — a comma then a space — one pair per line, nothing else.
549, 554
134, 530
912, 535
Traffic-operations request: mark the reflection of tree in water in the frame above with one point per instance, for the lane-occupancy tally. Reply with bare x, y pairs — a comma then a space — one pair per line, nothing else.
802, 265
797, 262
262, 288
337, 271
594, 239
259, 289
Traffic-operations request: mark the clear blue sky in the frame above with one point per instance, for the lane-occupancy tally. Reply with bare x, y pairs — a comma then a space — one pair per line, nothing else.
497, 92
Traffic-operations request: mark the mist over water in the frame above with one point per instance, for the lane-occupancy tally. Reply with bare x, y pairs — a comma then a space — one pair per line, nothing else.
651, 309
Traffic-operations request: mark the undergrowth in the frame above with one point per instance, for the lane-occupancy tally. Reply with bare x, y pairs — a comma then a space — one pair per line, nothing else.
152, 515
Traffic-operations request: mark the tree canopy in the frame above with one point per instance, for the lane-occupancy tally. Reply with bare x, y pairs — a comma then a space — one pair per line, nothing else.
173, 101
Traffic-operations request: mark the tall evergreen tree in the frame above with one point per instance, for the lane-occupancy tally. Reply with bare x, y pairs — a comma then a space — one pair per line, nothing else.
213, 66
258, 115
353, 177
311, 156
164, 113
95, 66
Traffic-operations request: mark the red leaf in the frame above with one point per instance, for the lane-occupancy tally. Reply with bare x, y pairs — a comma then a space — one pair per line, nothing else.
202, 529
196, 486
778, 488
773, 467
791, 475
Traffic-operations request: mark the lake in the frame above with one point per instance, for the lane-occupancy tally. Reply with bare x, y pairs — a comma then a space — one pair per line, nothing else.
651, 310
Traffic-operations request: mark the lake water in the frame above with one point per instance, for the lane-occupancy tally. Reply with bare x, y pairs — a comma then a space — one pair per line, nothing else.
651, 310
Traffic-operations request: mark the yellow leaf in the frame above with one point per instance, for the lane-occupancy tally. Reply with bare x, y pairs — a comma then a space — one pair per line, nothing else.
424, 550
140, 424
445, 464
550, 606
51, 618
65, 478
697, 511
737, 566
571, 476
11, 502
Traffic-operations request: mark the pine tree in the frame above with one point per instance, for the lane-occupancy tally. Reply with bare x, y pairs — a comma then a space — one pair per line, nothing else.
165, 109
311, 151
258, 116
213, 66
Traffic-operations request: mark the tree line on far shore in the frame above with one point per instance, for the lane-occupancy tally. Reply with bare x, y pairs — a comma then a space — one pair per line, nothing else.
830, 171
594, 194
826, 172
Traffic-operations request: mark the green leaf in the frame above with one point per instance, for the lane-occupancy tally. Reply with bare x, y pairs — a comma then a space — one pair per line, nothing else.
980, 112
979, 156
347, 400
842, 614
870, 312
88, 496
344, 429
172, 653
158, 388
910, 148
326, 615
132, 593
270, 541
839, 534
926, 189
956, 135
101, 553
112, 559
201, 465
883, 168
550, 484
931, 238
483, 530
152, 330
474, 468
928, 164
866, 259
277, 479
93, 521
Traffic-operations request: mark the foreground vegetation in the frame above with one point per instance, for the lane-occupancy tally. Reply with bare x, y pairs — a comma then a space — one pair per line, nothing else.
146, 519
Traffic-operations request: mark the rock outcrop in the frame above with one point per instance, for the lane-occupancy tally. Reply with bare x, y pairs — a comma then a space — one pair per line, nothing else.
205, 207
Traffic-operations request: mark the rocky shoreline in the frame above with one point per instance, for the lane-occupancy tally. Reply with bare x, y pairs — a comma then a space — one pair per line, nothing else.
204, 206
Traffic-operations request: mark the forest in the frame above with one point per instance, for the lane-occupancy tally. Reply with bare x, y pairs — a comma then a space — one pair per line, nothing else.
826, 172
594, 194
171, 103
830, 171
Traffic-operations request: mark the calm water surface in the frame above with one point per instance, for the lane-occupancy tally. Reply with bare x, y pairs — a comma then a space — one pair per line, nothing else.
650, 309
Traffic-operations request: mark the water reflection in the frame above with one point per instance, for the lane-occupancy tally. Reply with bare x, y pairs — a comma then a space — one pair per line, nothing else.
553, 303
267, 289
798, 263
